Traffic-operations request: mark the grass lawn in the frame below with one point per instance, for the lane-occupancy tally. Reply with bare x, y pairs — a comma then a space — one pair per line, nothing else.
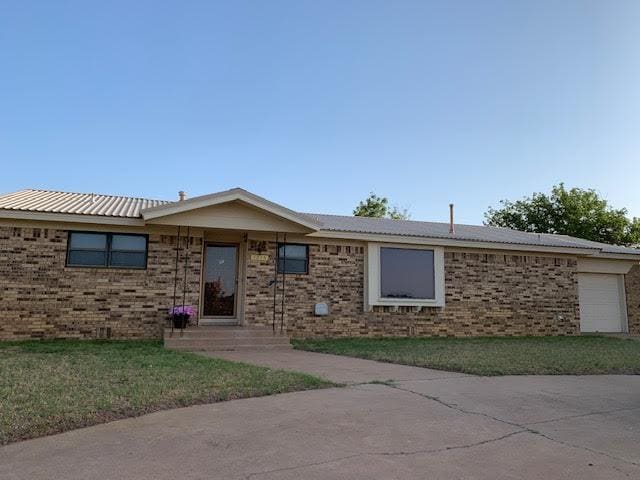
586, 355
51, 386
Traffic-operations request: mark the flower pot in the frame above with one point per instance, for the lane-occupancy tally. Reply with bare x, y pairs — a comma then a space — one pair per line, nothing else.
180, 320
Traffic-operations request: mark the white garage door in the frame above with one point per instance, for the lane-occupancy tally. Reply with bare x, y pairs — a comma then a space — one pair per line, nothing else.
601, 308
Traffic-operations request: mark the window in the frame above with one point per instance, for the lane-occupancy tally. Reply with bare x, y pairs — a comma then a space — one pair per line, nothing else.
128, 251
293, 258
404, 275
87, 249
106, 250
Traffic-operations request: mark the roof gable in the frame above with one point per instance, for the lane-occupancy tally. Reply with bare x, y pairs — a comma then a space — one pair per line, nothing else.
228, 209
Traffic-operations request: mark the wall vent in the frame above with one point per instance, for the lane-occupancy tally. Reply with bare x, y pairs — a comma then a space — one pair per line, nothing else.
103, 332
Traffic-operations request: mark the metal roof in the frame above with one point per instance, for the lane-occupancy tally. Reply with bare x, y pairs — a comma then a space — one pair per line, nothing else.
477, 233
46, 201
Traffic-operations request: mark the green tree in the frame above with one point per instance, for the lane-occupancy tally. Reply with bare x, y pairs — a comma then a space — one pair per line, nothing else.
378, 207
576, 212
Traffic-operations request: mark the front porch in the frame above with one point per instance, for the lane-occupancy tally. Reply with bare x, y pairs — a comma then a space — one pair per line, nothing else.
237, 244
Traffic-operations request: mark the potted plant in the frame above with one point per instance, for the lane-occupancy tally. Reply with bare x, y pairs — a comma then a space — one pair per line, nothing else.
181, 314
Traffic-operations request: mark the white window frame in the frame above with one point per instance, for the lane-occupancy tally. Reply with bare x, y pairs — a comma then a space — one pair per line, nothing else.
373, 296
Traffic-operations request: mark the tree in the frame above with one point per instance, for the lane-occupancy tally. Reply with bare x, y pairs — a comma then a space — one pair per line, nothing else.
378, 207
576, 212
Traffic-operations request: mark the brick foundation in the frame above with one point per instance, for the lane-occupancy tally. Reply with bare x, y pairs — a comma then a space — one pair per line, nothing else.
486, 294
41, 298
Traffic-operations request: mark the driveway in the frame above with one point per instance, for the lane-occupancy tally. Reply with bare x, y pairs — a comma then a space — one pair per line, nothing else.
425, 424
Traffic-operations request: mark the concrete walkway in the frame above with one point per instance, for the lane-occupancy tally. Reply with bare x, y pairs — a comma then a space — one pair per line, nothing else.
338, 369
426, 425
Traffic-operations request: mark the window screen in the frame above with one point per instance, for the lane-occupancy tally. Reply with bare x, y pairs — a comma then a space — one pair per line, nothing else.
293, 258
106, 250
406, 273
128, 251
87, 249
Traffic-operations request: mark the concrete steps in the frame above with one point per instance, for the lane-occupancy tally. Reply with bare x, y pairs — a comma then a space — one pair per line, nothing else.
224, 338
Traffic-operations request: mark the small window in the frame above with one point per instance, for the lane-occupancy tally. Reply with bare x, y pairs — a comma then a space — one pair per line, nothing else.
107, 250
87, 249
293, 258
128, 251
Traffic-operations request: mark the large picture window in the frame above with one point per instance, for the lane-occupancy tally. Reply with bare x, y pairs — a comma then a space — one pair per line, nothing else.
293, 258
404, 275
116, 250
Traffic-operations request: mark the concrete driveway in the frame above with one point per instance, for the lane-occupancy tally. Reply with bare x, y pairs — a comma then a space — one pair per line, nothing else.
425, 425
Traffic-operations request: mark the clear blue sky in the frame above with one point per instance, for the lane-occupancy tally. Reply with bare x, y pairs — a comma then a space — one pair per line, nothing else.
314, 104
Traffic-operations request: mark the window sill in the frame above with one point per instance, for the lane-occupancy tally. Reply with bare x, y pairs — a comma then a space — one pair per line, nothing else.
384, 302
99, 267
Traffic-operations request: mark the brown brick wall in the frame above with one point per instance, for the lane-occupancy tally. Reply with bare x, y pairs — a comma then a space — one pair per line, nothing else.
486, 294
492, 294
41, 298
632, 287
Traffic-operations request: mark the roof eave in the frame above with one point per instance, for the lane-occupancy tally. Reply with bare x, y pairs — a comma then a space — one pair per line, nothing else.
451, 242
618, 256
69, 217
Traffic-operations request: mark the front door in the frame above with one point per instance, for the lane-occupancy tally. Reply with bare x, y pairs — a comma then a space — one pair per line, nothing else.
220, 282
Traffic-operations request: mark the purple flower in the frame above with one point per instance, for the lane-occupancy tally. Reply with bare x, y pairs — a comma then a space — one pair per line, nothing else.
182, 310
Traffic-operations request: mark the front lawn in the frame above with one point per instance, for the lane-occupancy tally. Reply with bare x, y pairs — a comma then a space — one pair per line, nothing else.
586, 355
51, 386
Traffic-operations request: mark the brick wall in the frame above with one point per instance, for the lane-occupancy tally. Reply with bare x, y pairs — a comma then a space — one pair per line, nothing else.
492, 294
632, 287
486, 294
41, 298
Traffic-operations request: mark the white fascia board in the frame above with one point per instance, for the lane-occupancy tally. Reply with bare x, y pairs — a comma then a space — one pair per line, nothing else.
382, 238
605, 265
70, 218
634, 257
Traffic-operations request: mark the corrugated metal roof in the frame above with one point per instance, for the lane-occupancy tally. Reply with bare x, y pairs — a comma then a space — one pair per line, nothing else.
48, 201
477, 233
604, 247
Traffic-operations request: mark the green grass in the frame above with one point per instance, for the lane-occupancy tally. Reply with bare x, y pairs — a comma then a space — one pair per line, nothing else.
586, 355
51, 386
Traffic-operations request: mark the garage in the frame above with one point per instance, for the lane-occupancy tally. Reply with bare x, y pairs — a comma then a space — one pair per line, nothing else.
602, 302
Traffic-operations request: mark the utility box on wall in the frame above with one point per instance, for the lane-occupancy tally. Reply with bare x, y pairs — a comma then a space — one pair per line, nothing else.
321, 310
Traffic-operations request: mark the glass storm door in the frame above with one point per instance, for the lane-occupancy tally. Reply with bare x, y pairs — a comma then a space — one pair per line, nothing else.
220, 280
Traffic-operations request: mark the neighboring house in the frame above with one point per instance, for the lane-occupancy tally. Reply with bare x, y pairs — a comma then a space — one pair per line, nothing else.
85, 265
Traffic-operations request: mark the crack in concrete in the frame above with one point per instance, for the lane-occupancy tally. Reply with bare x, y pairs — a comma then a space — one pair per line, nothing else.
524, 427
454, 447
386, 454
304, 465
435, 378
387, 381
393, 381
568, 417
